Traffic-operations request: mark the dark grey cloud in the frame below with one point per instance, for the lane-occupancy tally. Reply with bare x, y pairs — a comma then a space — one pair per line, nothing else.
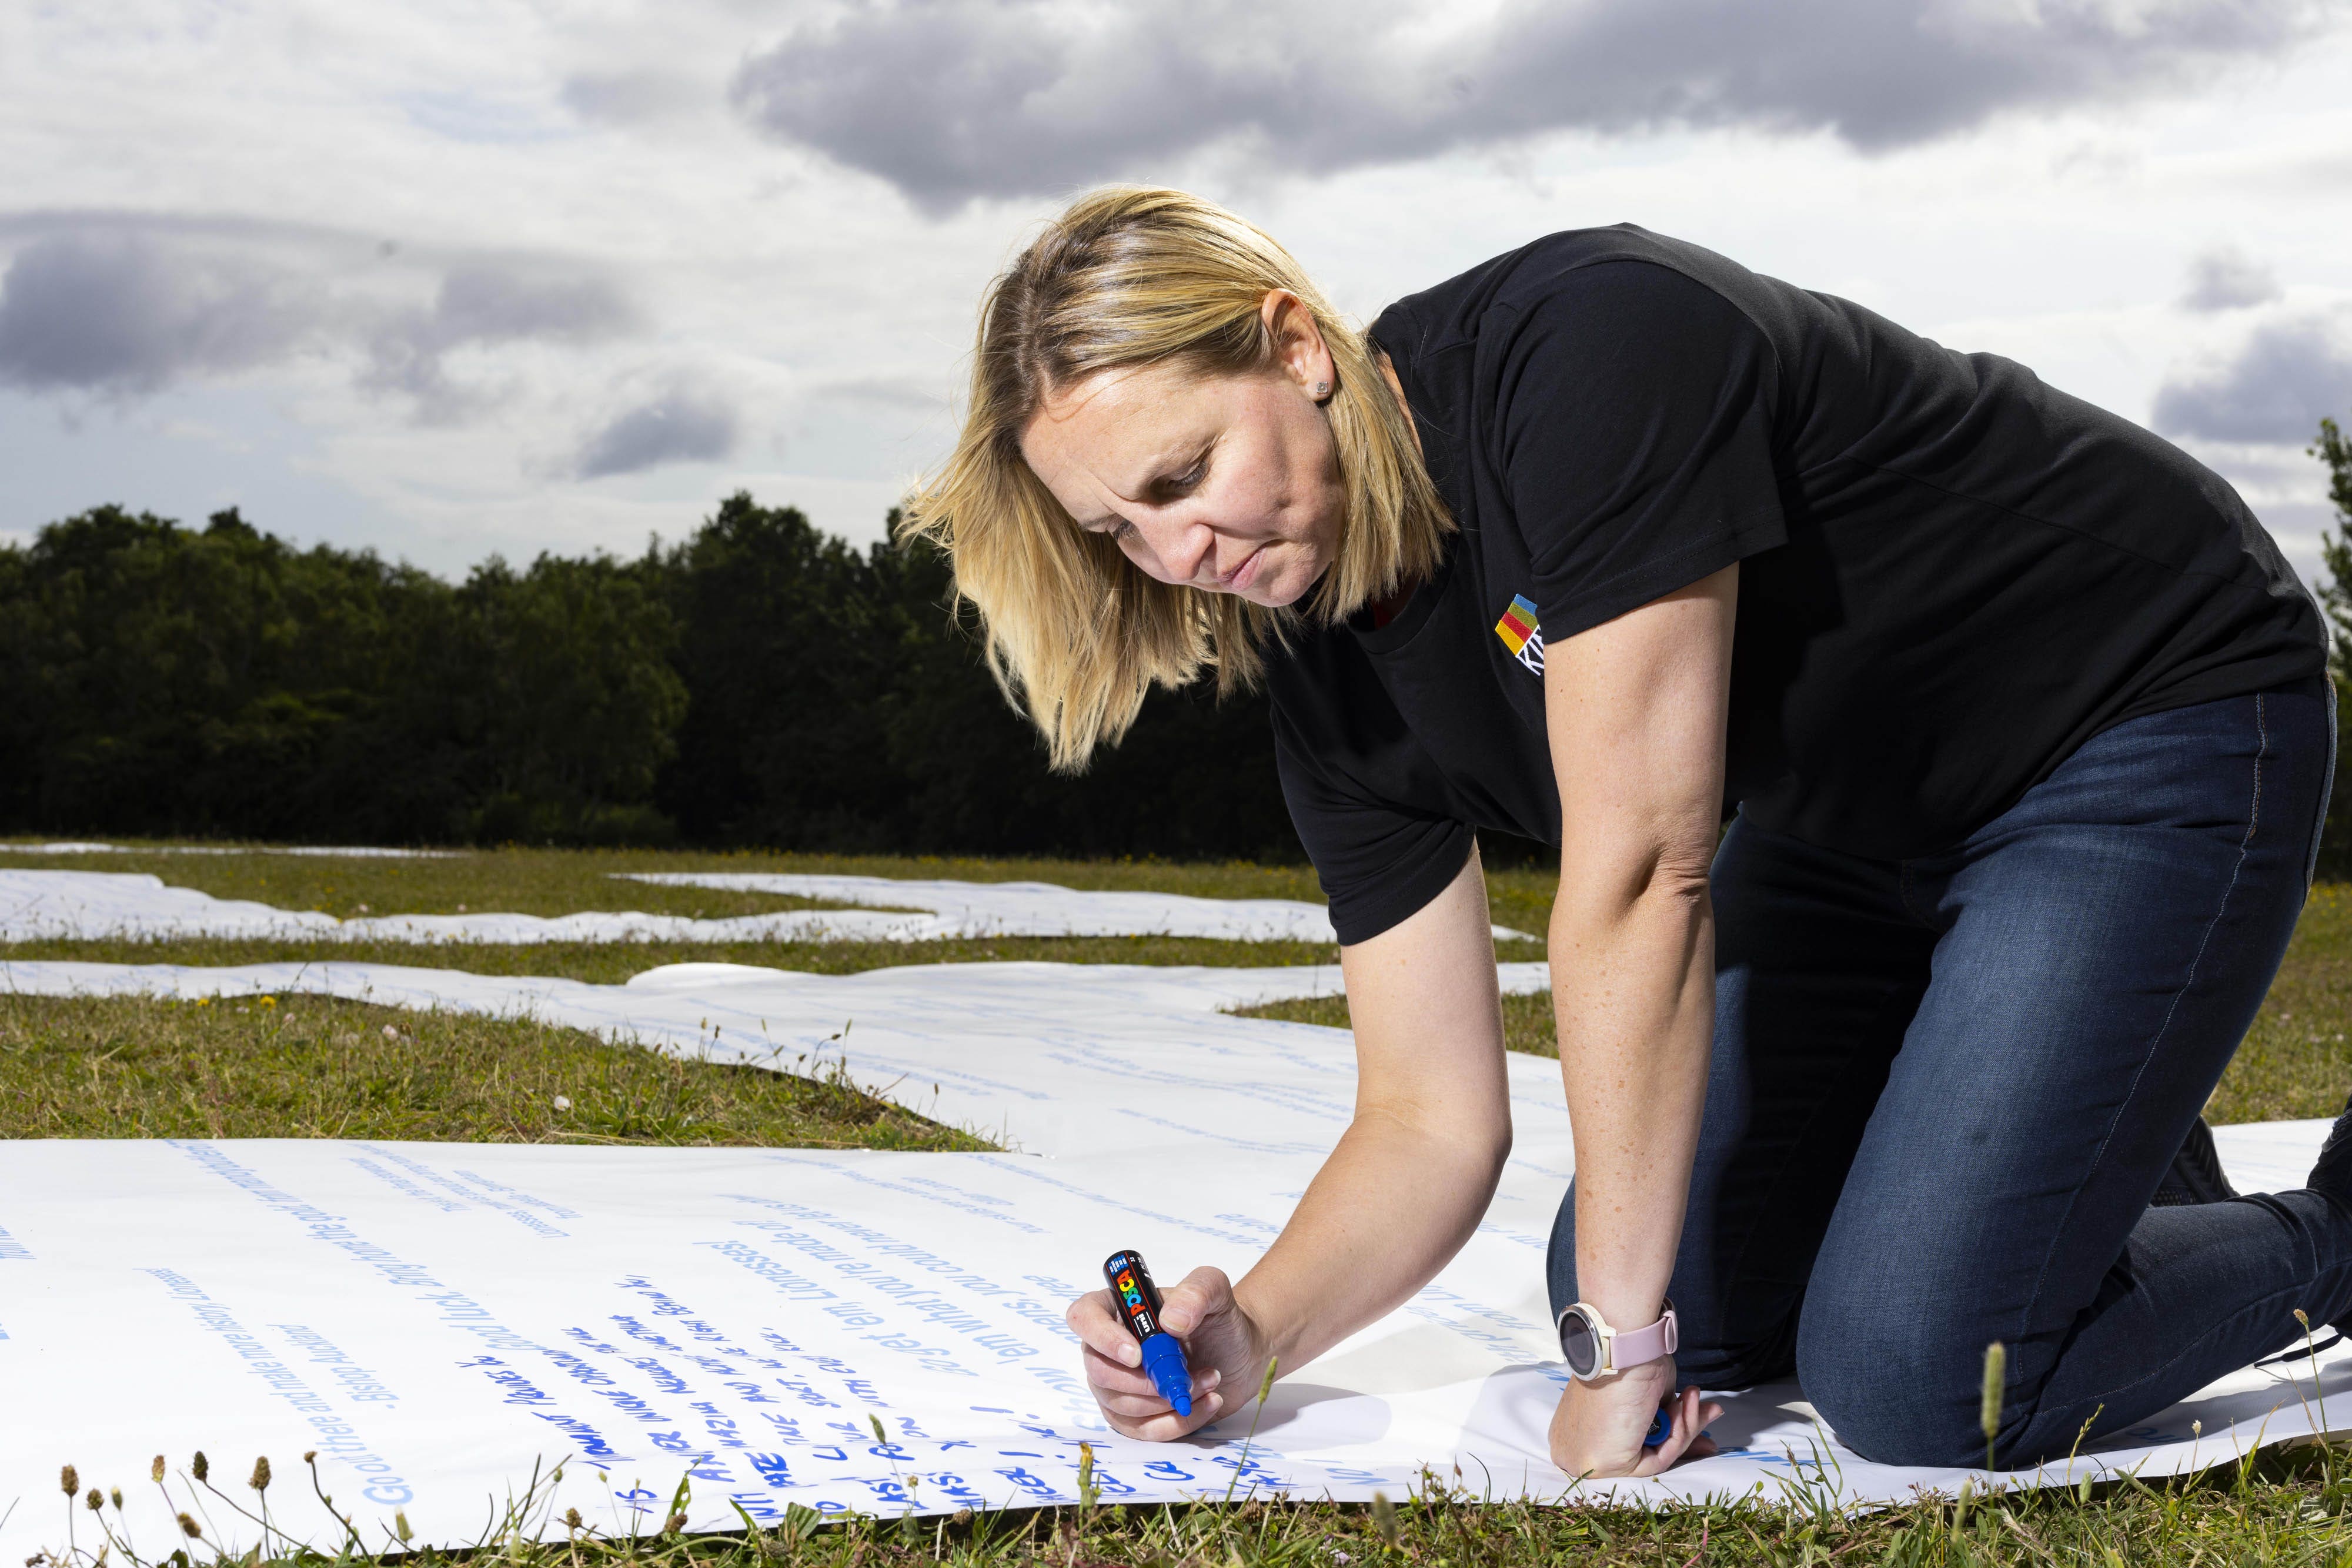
107, 303
950, 99
680, 426
2273, 388
2229, 279
129, 313
484, 304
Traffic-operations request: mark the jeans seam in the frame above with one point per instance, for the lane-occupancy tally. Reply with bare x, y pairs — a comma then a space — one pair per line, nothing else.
2326, 789
2262, 750
2262, 753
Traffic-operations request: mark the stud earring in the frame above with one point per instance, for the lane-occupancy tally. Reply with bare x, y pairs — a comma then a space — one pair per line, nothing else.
1322, 391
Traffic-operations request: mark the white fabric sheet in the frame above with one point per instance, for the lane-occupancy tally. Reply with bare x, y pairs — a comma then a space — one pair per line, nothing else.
434, 1319
37, 905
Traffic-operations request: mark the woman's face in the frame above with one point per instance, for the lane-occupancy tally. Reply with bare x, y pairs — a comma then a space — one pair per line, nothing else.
1227, 483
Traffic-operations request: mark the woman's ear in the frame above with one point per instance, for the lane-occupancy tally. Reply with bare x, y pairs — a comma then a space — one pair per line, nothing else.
1298, 346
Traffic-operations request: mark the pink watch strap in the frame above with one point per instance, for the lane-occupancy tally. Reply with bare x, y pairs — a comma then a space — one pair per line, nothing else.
1632, 1349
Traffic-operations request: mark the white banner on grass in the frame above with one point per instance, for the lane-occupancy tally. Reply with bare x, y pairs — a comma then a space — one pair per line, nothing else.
435, 1319
68, 905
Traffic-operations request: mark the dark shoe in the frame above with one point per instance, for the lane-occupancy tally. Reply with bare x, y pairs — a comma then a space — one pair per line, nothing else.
2195, 1176
2332, 1172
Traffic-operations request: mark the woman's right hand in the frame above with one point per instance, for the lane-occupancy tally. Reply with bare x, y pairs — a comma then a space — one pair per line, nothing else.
1224, 1350
1599, 1427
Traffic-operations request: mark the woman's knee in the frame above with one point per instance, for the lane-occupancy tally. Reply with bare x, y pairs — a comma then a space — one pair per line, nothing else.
1896, 1386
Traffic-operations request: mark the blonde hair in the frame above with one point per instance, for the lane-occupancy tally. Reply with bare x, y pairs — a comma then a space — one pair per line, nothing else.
1077, 635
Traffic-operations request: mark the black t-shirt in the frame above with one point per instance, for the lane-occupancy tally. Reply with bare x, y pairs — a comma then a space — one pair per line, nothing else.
1951, 575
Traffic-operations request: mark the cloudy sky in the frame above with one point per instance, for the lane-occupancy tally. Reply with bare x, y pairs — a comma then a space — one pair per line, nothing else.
446, 279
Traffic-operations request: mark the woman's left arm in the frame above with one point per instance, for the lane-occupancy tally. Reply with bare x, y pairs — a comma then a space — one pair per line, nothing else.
1636, 709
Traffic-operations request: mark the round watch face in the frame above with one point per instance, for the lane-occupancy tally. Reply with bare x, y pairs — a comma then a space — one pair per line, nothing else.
1579, 1345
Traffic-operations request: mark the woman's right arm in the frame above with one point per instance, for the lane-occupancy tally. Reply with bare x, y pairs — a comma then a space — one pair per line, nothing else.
1402, 1192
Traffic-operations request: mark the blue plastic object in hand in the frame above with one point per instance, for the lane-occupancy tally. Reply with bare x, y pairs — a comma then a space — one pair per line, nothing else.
1163, 1358
1136, 1299
1661, 1426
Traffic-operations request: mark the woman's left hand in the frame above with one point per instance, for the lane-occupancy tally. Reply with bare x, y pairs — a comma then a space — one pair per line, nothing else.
1598, 1427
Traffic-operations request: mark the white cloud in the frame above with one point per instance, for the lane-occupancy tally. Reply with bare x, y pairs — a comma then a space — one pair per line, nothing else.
671, 269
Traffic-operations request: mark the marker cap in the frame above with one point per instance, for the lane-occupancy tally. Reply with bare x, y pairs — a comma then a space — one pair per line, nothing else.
1163, 1358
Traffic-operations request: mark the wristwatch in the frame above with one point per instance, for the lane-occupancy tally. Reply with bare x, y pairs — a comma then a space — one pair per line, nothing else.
1593, 1349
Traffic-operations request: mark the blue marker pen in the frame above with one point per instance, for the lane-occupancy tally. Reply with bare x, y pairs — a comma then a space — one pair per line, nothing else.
1138, 1301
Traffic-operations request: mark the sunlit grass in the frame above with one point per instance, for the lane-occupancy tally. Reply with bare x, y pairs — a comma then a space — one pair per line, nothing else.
2283, 1511
2295, 1062
293, 1066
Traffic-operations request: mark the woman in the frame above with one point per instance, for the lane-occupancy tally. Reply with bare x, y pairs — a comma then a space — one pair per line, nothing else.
2016, 715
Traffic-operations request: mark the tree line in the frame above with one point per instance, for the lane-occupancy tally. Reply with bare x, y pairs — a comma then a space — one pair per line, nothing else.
760, 682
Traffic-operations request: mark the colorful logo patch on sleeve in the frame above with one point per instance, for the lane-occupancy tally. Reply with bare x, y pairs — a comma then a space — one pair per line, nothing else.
1522, 633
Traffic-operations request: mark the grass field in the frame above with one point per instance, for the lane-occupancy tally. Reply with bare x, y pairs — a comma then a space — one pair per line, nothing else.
2295, 1062
2278, 1510
313, 1067
305, 1066
560, 881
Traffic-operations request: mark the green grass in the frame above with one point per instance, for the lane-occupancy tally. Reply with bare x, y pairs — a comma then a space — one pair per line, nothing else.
1527, 1020
510, 881
2295, 1062
609, 962
2285, 1510
558, 882
310, 1067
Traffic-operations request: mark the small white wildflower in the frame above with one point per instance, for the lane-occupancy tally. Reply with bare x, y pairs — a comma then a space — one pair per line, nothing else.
563, 1101
389, 1032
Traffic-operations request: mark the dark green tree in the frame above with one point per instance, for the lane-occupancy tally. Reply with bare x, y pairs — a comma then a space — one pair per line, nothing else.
761, 683
164, 680
788, 651
572, 704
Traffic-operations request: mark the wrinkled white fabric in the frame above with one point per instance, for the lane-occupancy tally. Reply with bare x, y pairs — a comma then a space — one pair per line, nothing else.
434, 1319
37, 905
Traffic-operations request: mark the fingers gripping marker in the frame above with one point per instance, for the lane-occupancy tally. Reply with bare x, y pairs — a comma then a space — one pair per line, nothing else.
1136, 1299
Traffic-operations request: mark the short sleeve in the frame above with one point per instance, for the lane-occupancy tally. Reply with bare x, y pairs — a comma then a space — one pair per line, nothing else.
1633, 417
1380, 862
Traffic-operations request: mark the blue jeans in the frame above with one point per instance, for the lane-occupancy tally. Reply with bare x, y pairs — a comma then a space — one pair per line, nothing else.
1944, 1089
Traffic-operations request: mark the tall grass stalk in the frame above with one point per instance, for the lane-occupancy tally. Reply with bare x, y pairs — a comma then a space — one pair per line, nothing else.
1996, 1379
